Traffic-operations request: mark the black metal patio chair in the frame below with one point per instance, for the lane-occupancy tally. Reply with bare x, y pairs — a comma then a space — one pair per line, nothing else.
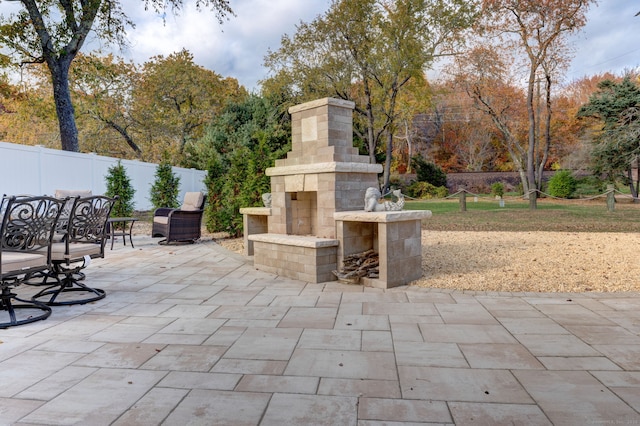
26, 232
84, 240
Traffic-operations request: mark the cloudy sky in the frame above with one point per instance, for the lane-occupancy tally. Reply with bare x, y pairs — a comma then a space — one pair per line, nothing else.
237, 47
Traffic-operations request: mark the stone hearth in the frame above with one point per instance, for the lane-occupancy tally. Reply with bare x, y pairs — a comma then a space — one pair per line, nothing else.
321, 176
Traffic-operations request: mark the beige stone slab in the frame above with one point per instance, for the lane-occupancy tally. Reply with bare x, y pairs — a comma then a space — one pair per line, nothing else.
422, 354
41, 364
13, 409
572, 314
119, 355
529, 325
185, 358
309, 318
152, 408
575, 397
362, 322
461, 384
290, 409
99, 399
249, 366
556, 345
387, 308
55, 384
499, 355
377, 341
225, 336
249, 312
604, 334
200, 380
220, 407
294, 240
176, 339
256, 211
342, 364
577, 363
465, 333
265, 344
324, 168
465, 314
469, 413
193, 326
626, 356
406, 332
382, 217
359, 388
626, 385
349, 340
278, 384
398, 410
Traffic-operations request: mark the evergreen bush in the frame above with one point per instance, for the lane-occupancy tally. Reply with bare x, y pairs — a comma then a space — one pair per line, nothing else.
497, 189
562, 184
428, 172
119, 184
165, 189
424, 190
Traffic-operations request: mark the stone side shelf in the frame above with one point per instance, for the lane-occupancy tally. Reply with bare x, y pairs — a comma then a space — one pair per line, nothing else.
301, 257
394, 235
255, 221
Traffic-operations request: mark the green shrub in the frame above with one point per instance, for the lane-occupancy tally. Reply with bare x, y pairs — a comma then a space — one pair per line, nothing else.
497, 189
165, 189
425, 190
588, 186
119, 184
562, 184
428, 172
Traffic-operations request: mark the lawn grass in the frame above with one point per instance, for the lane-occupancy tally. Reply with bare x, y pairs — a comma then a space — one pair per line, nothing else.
550, 215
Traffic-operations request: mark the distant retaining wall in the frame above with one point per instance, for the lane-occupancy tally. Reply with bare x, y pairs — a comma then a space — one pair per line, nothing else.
36, 170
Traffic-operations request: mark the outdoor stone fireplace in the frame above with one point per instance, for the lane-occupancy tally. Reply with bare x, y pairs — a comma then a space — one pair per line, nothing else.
321, 176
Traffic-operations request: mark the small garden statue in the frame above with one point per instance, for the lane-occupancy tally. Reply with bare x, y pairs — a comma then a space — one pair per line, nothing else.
373, 201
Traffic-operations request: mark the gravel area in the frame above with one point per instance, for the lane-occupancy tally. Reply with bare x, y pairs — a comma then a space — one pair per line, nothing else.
517, 261
530, 261
524, 261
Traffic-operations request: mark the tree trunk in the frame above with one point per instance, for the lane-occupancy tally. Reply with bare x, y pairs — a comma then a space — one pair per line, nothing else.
387, 163
531, 150
59, 69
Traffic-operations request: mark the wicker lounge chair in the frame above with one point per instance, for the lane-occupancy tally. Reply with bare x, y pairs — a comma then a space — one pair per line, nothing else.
180, 225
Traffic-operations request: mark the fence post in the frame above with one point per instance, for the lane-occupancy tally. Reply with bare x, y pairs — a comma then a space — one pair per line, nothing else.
463, 199
611, 198
533, 199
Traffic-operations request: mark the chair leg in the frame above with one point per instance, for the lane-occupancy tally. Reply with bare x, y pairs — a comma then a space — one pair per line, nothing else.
69, 284
33, 310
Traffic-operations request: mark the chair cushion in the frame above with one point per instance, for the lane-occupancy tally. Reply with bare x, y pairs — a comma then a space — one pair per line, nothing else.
16, 261
163, 220
192, 201
64, 193
76, 250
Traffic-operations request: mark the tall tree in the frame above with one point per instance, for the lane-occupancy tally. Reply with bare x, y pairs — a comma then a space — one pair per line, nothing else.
175, 99
54, 31
537, 31
617, 145
102, 88
369, 51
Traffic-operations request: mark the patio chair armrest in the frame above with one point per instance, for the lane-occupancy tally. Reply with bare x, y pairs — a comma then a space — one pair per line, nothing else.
163, 211
178, 214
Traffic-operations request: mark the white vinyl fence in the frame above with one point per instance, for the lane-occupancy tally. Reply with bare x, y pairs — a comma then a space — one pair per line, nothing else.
38, 171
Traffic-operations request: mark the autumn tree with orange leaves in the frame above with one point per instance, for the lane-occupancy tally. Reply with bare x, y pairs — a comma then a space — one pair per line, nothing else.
536, 33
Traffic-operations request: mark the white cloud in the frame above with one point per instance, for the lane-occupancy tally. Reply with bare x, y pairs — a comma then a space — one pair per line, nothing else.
234, 49
608, 41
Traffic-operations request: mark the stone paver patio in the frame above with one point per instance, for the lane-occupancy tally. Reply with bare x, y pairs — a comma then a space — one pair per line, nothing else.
194, 335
